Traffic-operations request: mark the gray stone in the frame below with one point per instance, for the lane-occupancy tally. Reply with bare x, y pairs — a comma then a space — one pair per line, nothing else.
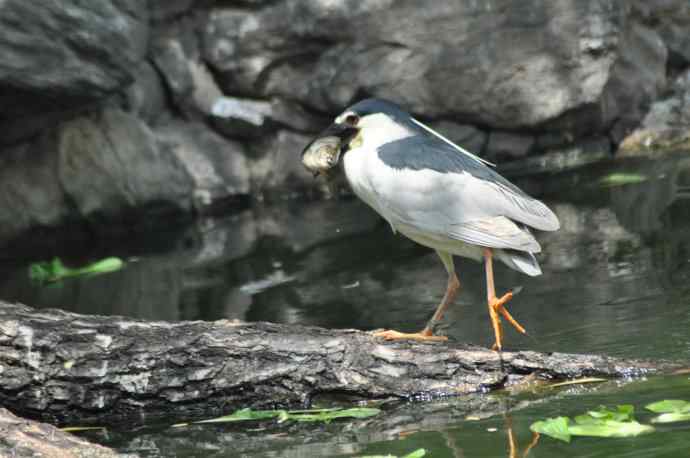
666, 125
145, 98
276, 165
671, 19
60, 55
544, 61
508, 145
31, 196
110, 165
167, 10
217, 166
581, 153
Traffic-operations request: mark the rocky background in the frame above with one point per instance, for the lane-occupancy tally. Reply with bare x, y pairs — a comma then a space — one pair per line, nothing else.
111, 110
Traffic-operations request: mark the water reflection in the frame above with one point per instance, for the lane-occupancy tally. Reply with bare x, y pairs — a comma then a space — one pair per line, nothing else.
615, 276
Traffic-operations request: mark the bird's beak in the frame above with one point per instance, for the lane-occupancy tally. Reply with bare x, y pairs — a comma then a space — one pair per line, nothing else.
324, 152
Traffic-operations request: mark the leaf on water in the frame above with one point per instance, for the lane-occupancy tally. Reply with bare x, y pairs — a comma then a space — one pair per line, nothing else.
669, 406
245, 415
54, 271
553, 427
580, 381
610, 428
357, 412
324, 415
419, 453
620, 179
603, 422
671, 410
416, 454
621, 413
671, 417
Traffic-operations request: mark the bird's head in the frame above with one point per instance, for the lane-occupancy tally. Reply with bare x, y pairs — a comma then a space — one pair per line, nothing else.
370, 119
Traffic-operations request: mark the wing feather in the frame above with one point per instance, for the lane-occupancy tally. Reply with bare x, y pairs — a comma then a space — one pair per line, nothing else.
455, 188
496, 232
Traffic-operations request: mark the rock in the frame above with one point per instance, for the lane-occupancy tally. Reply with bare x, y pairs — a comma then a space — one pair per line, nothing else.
241, 118
584, 152
666, 127
168, 10
671, 19
217, 166
583, 59
145, 98
110, 165
61, 56
465, 135
26, 438
31, 195
175, 54
276, 165
508, 145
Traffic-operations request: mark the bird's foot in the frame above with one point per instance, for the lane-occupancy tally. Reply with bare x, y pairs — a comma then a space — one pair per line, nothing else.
421, 336
496, 310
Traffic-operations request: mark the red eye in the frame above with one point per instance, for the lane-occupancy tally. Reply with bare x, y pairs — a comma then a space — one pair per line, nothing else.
351, 120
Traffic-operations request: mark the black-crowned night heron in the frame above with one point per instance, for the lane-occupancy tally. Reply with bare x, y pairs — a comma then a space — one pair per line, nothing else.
435, 193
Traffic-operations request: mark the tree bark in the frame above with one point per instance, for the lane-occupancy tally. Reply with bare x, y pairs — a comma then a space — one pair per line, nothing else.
20, 437
66, 367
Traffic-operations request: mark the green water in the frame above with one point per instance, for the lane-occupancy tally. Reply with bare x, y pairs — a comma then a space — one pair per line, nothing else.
616, 281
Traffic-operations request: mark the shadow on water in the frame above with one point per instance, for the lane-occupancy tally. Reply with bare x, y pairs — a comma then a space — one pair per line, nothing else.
616, 281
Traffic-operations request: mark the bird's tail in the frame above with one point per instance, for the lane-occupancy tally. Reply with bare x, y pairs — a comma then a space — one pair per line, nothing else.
521, 261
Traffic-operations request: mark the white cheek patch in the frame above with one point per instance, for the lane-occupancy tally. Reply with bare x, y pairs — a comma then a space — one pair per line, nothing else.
378, 129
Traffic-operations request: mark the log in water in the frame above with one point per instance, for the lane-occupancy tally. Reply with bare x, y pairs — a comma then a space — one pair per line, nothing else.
67, 367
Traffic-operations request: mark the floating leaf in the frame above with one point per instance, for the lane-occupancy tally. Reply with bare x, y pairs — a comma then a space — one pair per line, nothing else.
54, 271
603, 422
671, 417
671, 410
245, 415
610, 428
554, 427
324, 415
620, 179
622, 413
416, 454
669, 406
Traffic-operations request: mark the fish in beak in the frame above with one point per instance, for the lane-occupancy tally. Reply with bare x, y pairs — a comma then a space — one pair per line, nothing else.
324, 152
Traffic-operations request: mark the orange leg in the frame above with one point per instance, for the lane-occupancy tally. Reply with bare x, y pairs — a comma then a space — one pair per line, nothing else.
427, 334
496, 305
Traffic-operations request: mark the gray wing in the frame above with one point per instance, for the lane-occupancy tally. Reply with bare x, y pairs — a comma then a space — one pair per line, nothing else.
495, 232
494, 195
429, 186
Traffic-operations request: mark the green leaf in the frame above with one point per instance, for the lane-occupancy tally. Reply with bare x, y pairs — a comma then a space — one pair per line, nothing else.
620, 179
327, 416
416, 454
245, 415
621, 413
610, 428
55, 270
669, 406
324, 415
671, 417
553, 427
419, 453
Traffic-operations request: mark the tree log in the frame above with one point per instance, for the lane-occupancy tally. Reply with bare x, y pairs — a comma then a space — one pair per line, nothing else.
20, 437
66, 367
